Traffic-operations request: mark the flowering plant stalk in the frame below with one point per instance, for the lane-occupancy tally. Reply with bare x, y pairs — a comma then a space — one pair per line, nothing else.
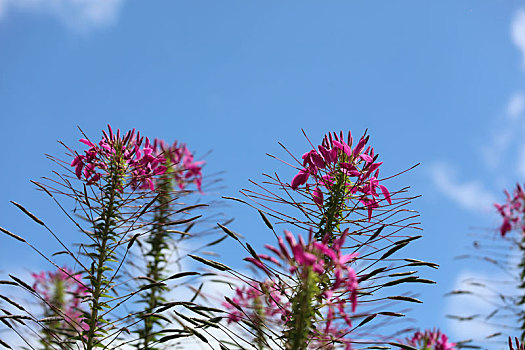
430, 340
117, 162
61, 293
116, 199
317, 285
513, 219
505, 301
181, 170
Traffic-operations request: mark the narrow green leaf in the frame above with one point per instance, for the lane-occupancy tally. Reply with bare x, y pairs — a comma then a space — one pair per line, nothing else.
22, 283
393, 250
406, 240
404, 298
191, 207
390, 313
235, 199
400, 280
265, 219
228, 232
216, 241
18, 238
403, 346
217, 265
378, 231
366, 320
181, 274
415, 262
41, 187
183, 221
28, 213
371, 274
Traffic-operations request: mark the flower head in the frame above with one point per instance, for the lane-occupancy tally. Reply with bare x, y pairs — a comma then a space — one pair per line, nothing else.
180, 163
519, 345
512, 211
324, 260
62, 290
130, 155
263, 301
430, 340
337, 170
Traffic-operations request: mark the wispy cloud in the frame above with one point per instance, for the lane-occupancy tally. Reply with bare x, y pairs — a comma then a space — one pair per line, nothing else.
518, 32
506, 131
516, 105
469, 305
471, 195
77, 14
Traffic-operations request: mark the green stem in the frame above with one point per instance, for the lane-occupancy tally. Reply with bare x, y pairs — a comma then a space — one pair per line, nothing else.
522, 286
103, 236
158, 244
333, 208
258, 324
300, 324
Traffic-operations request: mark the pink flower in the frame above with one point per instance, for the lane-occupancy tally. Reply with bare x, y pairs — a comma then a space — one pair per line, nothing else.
119, 155
300, 179
317, 196
63, 290
430, 340
519, 345
512, 211
321, 258
180, 162
250, 298
335, 157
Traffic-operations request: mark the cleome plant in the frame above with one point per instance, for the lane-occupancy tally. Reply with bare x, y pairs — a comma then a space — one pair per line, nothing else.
331, 276
119, 187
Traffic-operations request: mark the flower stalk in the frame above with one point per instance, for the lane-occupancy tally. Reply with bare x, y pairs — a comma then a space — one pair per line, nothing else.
104, 233
303, 312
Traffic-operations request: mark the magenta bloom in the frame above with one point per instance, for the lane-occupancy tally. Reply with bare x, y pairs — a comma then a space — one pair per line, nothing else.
269, 304
180, 163
62, 290
430, 340
130, 156
322, 258
519, 345
512, 211
335, 166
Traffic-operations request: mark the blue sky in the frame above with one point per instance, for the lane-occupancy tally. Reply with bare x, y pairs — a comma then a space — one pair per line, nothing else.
436, 83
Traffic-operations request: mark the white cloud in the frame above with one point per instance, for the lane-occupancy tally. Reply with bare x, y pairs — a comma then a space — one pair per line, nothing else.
78, 14
516, 105
470, 195
518, 32
468, 305
505, 132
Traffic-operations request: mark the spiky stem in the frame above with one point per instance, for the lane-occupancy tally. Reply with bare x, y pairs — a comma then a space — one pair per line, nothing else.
157, 242
303, 312
104, 232
258, 324
521, 314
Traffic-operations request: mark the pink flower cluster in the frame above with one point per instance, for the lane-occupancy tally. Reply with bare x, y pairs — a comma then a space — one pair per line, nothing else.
331, 336
512, 211
430, 340
180, 163
63, 290
323, 259
265, 299
519, 346
335, 157
124, 155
